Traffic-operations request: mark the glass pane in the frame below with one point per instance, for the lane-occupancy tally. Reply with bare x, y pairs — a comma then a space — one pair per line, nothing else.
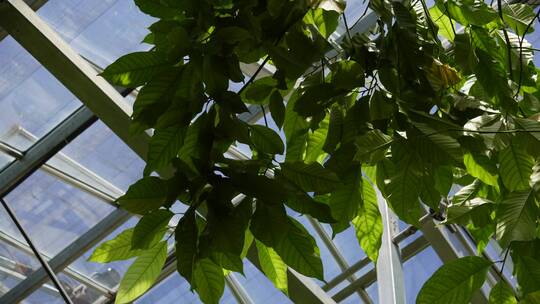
78, 292
417, 270
5, 159
100, 30
53, 212
46, 294
31, 99
348, 245
112, 165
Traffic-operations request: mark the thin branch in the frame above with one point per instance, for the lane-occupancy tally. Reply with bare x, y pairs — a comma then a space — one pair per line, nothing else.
521, 53
252, 78
264, 115
508, 49
451, 22
346, 25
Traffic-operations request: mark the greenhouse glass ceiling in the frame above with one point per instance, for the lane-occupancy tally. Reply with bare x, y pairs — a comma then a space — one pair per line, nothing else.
65, 158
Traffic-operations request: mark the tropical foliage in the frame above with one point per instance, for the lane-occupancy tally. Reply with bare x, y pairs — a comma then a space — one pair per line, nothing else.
429, 100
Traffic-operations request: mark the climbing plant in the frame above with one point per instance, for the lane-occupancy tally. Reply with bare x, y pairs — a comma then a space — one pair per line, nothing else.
429, 101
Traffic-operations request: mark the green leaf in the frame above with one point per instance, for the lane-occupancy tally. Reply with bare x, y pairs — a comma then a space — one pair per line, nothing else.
527, 273
518, 16
347, 198
502, 294
116, 249
157, 9
460, 213
266, 140
325, 21
151, 228
299, 250
273, 266
315, 143
515, 167
186, 236
142, 274
226, 228
402, 190
269, 224
310, 177
295, 128
481, 167
259, 91
516, 217
372, 146
316, 99
444, 23
277, 108
164, 146
209, 281
347, 74
335, 126
147, 194
455, 282
368, 222
135, 69
470, 12
466, 193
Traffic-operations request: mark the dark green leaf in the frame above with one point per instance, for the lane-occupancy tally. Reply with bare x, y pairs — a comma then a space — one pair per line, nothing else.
145, 195
151, 229
455, 282
277, 108
299, 250
310, 177
347, 198
209, 281
516, 217
515, 167
134, 69
266, 140
186, 236
372, 146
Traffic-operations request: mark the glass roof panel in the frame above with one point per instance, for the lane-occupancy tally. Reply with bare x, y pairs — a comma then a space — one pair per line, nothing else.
101, 152
32, 100
100, 30
4, 159
417, 270
46, 294
53, 212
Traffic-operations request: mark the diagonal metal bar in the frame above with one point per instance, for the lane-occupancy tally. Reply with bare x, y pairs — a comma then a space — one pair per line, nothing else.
45, 148
75, 73
338, 257
38, 255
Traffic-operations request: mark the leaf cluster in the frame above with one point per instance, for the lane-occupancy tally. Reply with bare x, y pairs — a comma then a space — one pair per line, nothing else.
430, 100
